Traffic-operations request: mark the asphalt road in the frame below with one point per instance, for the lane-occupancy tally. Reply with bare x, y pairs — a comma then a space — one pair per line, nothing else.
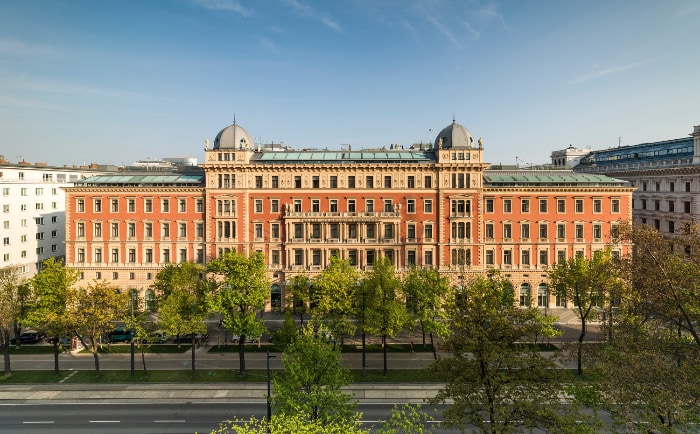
143, 418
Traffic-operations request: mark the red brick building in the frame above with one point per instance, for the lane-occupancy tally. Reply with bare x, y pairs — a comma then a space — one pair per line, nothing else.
431, 205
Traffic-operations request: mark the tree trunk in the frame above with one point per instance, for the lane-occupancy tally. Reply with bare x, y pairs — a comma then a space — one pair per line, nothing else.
579, 357
6, 357
241, 355
422, 329
194, 347
97, 359
432, 344
56, 344
384, 345
143, 360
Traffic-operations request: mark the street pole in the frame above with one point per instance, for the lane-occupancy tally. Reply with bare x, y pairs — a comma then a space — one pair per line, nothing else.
269, 407
364, 353
132, 333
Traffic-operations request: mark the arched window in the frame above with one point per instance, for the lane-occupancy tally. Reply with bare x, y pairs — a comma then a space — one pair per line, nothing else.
150, 300
525, 295
276, 297
543, 295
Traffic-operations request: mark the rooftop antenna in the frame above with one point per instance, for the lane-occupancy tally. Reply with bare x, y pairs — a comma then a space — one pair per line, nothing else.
21, 157
619, 141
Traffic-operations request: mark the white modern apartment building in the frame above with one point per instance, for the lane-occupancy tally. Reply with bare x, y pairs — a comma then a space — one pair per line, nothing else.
32, 212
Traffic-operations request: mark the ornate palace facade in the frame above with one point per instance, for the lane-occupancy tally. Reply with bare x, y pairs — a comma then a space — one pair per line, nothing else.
432, 205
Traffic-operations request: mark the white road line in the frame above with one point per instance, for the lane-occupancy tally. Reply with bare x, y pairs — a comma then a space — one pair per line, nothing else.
37, 421
104, 421
169, 421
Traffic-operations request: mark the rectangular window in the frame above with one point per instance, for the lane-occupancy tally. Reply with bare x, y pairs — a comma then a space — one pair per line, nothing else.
544, 257
411, 206
525, 230
80, 232
316, 231
525, 205
148, 230
182, 230
335, 231
258, 181
275, 230
579, 231
687, 187
315, 205
132, 255
334, 205
298, 257
488, 229
428, 181
489, 257
115, 255
183, 255
507, 231
411, 257
615, 206
148, 205
297, 181
298, 230
131, 205
258, 231
543, 230
671, 206
489, 206
543, 206
411, 182
428, 206
369, 205
388, 231
597, 231
275, 257
561, 206
351, 182
388, 207
297, 205
686, 207
561, 256
369, 181
274, 205
370, 232
165, 205
275, 181
115, 230
199, 205
166, 256
258, 206
114, 205
316, 257
578, 206
97, 205
334, 183
80, 205
525, 257
428, 231
507, 205
411, 231
387, 182
149, 256
165, 230
597, 206
182, 205
428, 257
131, 230
81, 255
508, 257
351, 205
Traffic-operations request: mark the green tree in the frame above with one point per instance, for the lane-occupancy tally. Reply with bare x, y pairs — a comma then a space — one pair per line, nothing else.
407, 419
93, 312
310, 384
585, 283
303, 297
334, 289
243, 287
183, 307
384, 310
497, 384
286, 334
287, 424
648, 372
51, 287
14, 297
426, 293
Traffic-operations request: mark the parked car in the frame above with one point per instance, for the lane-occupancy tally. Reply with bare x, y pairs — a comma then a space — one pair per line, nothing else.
187, 338
28, 337
157, 337
120, 335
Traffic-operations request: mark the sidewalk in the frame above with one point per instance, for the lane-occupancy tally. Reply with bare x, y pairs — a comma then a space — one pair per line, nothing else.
178, 392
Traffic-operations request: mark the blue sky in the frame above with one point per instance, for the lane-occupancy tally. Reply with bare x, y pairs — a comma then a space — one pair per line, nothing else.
116, 81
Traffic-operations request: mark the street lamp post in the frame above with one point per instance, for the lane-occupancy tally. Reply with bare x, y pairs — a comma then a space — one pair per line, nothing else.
364, 353
132, 334
269, 407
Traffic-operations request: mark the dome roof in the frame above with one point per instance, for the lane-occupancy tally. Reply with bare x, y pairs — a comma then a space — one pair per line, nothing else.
454, 136
233, 137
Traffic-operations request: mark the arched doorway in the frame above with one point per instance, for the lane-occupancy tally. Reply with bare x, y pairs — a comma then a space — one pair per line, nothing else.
525, 295
543, 295
275, 297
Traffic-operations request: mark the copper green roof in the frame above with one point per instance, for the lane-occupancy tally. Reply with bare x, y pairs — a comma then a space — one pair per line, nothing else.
331, 157
550, 178
142, 180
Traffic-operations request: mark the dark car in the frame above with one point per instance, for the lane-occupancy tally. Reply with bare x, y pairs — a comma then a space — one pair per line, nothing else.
28, 337
120, 335
187, 338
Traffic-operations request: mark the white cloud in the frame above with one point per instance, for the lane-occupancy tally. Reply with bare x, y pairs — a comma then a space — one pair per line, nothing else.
605, 72
308, 11
443, 29
225, 5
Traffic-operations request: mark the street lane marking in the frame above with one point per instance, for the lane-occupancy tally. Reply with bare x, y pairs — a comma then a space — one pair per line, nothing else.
169, 421
104, 421
38, 421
